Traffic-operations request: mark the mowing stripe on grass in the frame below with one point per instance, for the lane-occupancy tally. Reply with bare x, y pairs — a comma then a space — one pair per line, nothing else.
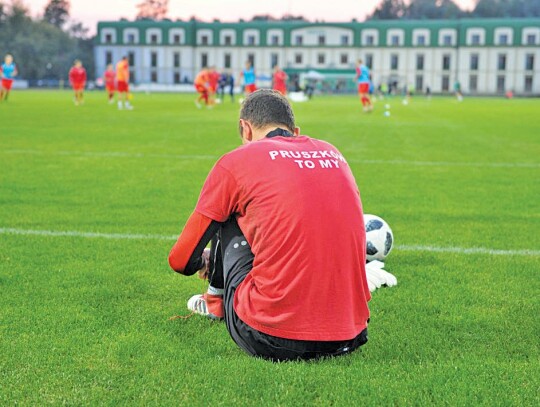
71, 233
121, 236
123, 154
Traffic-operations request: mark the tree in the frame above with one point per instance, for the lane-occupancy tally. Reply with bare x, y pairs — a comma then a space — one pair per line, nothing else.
389, 10
153, 9
433, 9
56, 12
506, 8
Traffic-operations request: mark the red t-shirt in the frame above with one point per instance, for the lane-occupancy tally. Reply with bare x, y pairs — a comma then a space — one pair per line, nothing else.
77, 75
279, 80
213, 79
297, 203
110, 77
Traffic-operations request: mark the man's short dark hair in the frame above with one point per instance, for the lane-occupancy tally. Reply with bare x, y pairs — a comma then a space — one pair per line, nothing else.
265, 107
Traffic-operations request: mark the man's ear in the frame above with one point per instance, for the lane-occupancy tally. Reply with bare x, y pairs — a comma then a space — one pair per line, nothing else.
247, 131
297, 131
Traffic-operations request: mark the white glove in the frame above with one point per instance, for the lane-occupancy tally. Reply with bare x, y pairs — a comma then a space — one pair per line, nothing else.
377, 277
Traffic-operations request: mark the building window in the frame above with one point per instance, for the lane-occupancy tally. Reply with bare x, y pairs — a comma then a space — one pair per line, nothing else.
344, 59
419, 82
446, 62
370, 40
501, 83
176, 78
251, 59
344, 40
394, 62
177, 39
297, 58
176, 60
501, 62
394, 40
369, 61
445, 83
153, 39
420, 62
251, 40
529, 62
322, 40
153, 76
421, 40
528, 83
531, 39
153, 59
274, 59
228, 40
447, 40
204, 60
227, 60
131, 38
298, 40
473, 83
475, 39
321, 59
474, 62
108, 58
503, 39
131, 59
274, 40
204, 40
132, 76
108, 38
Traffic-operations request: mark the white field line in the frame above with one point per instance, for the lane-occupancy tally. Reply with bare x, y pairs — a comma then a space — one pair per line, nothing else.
121, 154
124, 236
113, 154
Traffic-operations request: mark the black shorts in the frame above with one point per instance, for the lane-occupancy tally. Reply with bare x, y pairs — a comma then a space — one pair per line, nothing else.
237, 262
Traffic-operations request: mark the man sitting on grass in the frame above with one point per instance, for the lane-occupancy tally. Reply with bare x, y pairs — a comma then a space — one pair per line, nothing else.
287, 261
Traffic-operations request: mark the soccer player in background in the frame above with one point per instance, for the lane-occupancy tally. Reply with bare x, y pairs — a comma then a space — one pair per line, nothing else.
286, 267
109, 77
213, 81
248, 77
201, 86
77, 79
8, 71
122, 84
279, 80
363, 80
457, 91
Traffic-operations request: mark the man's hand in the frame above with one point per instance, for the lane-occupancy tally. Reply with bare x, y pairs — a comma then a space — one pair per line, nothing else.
378, 277
203, 273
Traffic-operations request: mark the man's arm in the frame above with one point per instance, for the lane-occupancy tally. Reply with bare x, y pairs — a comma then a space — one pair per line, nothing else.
186, 255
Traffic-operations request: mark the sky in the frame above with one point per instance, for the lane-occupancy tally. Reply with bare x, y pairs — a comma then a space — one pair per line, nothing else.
89, 12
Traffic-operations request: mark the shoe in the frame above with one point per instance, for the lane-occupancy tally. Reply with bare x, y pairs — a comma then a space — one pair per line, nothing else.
199, 106
211, 306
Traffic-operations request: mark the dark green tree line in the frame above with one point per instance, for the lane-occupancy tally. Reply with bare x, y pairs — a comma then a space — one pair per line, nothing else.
448, 9
41, 47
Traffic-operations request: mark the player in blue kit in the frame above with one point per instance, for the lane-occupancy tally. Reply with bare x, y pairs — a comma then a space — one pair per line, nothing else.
8, 72
363, 79
248, 75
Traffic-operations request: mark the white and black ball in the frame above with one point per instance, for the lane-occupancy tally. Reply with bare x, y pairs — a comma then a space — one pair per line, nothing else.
379, 238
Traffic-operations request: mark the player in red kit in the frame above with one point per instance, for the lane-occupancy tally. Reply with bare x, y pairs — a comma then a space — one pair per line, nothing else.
213, 81
109, 78
201, 86
77, 79
286, 267
279, 80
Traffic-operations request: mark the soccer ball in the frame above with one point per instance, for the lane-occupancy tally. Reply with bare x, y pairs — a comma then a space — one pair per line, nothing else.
387, 113
379, 238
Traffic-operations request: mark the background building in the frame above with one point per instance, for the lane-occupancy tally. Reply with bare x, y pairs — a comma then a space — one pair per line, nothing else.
487, 56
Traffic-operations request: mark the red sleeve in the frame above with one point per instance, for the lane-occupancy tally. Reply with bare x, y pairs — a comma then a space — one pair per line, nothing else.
84, 75
220, 197
191, 236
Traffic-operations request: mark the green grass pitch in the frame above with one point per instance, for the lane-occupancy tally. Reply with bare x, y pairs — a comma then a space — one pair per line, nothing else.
84, 318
